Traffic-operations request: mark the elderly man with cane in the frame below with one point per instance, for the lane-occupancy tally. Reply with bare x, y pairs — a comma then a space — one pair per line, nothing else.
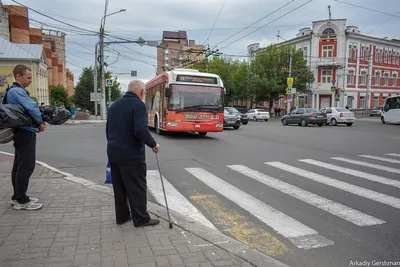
127, 134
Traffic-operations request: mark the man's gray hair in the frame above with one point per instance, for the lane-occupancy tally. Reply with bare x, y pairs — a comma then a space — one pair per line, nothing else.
135, 86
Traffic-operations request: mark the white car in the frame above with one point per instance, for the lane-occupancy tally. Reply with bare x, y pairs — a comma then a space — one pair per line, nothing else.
258, 114
337, 115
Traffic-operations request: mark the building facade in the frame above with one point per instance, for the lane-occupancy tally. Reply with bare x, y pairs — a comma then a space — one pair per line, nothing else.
176, 50
338, 55
31, 55
14, 26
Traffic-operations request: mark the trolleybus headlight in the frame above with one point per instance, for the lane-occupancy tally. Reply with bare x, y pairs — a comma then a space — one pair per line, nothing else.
173, 124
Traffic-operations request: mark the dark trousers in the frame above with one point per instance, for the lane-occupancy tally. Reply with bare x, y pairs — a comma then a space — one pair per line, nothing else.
24, 163
129, 184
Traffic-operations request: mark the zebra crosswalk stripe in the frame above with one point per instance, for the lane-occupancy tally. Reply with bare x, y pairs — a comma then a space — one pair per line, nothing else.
176, 201
380, 158
299, 234
367, 164
360, 174
354, 216
354, 189
393, 154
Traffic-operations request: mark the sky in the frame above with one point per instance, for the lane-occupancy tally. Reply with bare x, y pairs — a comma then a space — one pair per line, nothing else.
205, 21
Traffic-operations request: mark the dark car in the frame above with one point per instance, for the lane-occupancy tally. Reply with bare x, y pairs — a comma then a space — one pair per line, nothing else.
243, 117
377, 111
305, 116
231, 120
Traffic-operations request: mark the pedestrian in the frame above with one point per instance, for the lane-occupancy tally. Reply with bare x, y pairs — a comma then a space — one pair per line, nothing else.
24, 140
73, 111
127, 134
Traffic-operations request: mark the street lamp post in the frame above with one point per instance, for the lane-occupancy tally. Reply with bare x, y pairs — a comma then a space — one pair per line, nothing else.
102, 86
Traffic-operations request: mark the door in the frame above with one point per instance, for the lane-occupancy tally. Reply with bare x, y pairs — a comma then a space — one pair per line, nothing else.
329, 114
299, 115
162, 111
292, 116
324, 101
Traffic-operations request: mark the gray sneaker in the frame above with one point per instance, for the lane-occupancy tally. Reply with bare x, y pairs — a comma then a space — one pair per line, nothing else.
34, 200
27, 206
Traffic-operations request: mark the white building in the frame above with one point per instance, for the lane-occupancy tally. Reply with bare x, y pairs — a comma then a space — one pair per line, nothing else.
338, 54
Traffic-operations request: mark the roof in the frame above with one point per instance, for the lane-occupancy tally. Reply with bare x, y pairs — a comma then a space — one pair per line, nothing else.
174, 35
10, 50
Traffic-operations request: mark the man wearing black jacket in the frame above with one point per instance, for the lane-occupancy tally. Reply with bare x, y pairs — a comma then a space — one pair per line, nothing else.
127, 134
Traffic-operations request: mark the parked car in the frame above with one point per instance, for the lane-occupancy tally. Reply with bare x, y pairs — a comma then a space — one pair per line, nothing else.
304, 116
243, 117
337, 115
242, 110
377, 111
231, 120
258, 114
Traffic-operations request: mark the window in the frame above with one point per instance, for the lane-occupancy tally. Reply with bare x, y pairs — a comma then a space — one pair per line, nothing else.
326, 76
362, 52
394, 79
376, 101
367, 52
352, 51
390, 57
386, 78
350, 77
328, 32
377, 78
385, 55
305, 53
376, 54
362, 102
327, 51
380, 55
363, 77
397, 58
394, 58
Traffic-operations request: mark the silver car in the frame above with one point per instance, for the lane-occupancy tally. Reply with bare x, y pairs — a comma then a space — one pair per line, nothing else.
337, 115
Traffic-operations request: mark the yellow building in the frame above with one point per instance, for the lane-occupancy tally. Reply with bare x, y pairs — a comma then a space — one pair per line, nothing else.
31, 55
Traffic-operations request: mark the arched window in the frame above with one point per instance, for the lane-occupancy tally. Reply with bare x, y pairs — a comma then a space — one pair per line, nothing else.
328, 32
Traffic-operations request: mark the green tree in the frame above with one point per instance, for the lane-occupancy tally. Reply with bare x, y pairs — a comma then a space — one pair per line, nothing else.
71, 99
270, 68
58, 95
83, 89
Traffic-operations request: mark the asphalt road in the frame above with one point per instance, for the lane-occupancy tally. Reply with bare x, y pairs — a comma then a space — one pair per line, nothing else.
250, 184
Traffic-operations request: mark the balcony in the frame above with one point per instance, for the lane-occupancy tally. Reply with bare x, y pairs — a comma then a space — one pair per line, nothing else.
328, 62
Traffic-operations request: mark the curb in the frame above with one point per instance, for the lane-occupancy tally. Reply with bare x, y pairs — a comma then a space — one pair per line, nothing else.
210, 235
84, 122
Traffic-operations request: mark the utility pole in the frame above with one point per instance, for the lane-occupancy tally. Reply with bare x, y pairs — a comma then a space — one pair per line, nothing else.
102, 85
290, 75
367, 98
95, 80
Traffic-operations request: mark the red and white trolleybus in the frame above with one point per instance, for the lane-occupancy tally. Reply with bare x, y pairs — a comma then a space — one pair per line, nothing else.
184, 100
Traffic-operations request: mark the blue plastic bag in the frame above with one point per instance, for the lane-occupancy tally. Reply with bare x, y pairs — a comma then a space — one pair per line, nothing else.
108, 174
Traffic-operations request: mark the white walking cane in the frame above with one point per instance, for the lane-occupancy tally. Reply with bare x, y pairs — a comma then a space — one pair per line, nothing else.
165, 196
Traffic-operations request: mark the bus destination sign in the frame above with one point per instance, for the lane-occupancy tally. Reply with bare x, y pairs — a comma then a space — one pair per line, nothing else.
196, 79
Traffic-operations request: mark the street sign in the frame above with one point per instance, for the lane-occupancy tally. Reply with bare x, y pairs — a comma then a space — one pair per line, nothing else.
133, 73
333, 82
333, 88
289, 90
93, 97
109, 82
289, 97
141, 41
290, 82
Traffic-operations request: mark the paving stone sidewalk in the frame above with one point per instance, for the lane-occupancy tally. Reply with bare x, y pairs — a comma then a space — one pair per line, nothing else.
76, 227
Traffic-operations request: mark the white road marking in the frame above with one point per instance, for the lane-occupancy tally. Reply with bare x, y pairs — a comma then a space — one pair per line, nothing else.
380, 158
354, 189
369, 165
354, 216
360, 174
299, 234
393, 154
176, 201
